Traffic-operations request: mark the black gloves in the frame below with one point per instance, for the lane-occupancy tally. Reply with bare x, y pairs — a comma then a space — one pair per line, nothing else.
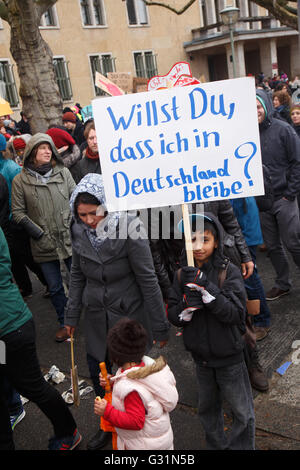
195, 295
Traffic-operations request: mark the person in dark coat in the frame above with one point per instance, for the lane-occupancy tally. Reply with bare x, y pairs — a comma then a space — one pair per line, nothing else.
74, 127
112, 276
22, 369
282, 103
167, 252
280, 150
89, 163
247, 214
23, 125
209, 302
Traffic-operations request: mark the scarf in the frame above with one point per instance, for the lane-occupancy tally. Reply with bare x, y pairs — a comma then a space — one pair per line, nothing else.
92, 156
42, 169
108, 228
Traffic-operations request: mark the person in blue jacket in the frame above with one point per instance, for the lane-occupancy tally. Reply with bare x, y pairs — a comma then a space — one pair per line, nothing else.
246, 212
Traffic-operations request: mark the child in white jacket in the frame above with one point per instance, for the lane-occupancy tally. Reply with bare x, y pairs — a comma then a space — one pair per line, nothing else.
144, 392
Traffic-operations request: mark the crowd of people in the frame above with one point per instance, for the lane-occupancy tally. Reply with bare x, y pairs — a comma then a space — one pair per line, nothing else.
130, 290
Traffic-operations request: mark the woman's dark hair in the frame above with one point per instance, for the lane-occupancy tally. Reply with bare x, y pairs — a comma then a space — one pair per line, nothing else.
88, 128
283, 97
33, 153
85, 198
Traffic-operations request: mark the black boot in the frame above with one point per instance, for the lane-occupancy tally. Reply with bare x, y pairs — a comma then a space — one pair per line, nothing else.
258, 378
99, 440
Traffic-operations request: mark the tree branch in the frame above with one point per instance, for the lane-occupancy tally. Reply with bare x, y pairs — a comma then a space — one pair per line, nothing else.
280, 9
44, 5
179, 11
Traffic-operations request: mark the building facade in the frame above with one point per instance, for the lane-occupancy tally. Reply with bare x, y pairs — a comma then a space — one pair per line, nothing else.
127, 36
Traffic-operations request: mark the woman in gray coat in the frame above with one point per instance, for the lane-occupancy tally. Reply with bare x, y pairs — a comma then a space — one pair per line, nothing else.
112, 276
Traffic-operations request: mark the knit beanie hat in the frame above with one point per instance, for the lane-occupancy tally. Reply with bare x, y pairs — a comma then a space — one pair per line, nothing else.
126, 341
259, 98
2, 143
19, 143
69, 116
60, 137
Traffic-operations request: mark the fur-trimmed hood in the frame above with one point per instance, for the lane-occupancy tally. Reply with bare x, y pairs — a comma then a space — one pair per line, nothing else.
135, 373
142, 372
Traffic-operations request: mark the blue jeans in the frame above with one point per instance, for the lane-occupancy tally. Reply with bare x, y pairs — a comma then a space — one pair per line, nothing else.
232, 384
52, 273
255, 290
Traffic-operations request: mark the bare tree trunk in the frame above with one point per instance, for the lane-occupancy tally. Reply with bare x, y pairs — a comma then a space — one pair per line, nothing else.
39, 92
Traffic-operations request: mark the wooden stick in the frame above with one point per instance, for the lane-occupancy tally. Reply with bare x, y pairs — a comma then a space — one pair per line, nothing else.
187, 235
72, 352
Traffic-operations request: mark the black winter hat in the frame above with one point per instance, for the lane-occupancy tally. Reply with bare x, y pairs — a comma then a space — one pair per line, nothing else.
126, 341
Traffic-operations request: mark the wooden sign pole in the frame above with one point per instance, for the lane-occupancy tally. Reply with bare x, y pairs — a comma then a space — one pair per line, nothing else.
187, 235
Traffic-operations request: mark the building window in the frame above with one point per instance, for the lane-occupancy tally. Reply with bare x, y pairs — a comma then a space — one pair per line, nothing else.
63, 78
145, 64
92, 13
8, 87
204, 13
49, 18
137, 12
102, 63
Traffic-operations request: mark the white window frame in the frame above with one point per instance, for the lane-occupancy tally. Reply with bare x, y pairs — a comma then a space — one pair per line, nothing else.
143, 52
138, 24
65, 62
43, 24
100, 55
13, 81
92, 15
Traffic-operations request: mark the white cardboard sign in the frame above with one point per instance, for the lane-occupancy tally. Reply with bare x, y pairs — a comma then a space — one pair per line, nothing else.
186, 144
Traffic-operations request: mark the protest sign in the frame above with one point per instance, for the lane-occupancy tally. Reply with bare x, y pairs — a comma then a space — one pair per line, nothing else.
181, 145
123, 80
140, 84
106, 85
178, 70
87, 112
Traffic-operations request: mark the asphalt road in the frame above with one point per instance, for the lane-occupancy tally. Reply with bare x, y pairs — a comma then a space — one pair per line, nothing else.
277, 413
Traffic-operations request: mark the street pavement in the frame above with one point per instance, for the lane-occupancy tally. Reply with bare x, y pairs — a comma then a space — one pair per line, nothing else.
277, 411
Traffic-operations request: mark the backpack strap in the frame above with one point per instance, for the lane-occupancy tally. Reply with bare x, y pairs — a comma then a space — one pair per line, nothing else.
222, 276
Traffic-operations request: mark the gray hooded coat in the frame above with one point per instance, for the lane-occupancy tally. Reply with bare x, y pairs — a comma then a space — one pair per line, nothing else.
111, 277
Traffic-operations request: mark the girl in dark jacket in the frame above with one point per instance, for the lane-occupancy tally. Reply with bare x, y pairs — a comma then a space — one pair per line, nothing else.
212, 314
